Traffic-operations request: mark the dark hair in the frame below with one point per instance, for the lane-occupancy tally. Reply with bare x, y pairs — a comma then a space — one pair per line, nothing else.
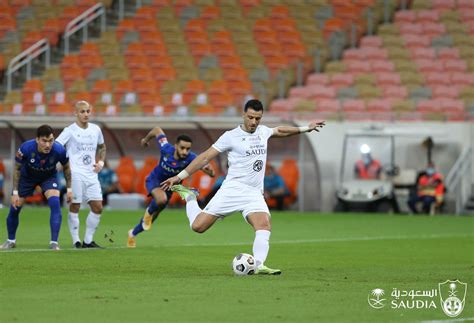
184, 138
44, 131
253, 104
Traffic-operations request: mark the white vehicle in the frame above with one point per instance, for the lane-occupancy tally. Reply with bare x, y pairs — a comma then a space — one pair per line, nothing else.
367, 172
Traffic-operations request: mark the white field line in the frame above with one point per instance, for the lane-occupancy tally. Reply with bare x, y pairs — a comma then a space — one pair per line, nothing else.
213, 244
465, 319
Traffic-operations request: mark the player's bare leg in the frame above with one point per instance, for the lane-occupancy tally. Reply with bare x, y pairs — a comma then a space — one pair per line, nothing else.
198, 220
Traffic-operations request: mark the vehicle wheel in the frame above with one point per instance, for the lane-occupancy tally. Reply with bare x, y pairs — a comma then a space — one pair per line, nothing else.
385, 207
340, 207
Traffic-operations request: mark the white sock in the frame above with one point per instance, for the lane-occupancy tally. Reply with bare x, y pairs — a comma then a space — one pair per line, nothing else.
73, 222
92, 223
192, 210
261, 246
12, 241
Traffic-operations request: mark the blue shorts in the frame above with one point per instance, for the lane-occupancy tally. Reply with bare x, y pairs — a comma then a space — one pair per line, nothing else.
27, 187
152, 182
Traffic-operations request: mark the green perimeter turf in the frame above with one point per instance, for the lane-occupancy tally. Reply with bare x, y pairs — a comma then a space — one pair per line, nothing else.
330, 263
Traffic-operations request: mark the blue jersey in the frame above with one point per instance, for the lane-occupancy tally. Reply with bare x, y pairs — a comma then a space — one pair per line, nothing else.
168, 165
36, 166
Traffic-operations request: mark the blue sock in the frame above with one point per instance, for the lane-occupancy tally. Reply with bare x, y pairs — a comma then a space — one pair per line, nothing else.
13, 220
55, 217
138, 228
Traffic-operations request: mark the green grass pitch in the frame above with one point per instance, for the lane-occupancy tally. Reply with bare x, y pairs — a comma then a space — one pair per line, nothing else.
330, 263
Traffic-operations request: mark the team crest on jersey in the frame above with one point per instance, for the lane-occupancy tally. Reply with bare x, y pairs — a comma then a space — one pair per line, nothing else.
86, 159
258, 165
163, 141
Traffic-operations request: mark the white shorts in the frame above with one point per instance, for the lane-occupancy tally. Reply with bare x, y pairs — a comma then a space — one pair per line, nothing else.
236, 197
85, 189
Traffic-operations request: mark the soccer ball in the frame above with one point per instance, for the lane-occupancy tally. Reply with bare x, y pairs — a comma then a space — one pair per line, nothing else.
243, 264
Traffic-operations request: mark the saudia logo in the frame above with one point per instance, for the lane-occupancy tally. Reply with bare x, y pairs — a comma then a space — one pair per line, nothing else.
452, 295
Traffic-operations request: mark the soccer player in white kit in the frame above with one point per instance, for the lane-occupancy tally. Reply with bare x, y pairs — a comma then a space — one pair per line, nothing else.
242, 190
84, 141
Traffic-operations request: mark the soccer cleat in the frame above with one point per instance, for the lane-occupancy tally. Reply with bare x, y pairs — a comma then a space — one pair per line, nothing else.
8, 245
131, 243
264, 270
54, 246
184, 191
91, 245
77, 245
147, 221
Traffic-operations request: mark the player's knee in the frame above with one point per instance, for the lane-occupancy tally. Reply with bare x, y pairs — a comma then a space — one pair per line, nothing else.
97, 209
155, 207
198, 227
54, 203
75, 207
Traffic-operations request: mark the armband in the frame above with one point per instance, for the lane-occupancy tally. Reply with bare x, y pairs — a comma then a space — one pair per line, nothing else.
69, 190
15, 192
303, 129
100, 163
183, 174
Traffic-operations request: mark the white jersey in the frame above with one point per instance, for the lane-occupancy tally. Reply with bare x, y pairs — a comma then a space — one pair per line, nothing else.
247, 155
81, 146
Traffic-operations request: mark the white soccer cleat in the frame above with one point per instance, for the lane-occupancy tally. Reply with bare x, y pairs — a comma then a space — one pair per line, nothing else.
185, 192
8, 245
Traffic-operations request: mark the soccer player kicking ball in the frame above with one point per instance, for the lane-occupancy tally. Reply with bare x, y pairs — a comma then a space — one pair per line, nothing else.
83, 141
173, 159
36, 166
242, 190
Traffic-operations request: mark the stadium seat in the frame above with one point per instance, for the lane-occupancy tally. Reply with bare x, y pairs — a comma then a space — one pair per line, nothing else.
127, 174
148, 164
290, 173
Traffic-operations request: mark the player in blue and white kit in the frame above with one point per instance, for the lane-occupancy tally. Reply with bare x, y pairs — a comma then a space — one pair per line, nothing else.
36, 166
242, 190
173, 159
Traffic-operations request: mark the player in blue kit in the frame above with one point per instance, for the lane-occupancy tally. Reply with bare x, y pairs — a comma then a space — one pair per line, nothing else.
36, 166
173, 159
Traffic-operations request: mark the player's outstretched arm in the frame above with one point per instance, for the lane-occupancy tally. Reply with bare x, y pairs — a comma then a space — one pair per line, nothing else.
199, 162
155, 132
285, 131
209, 170
67, 177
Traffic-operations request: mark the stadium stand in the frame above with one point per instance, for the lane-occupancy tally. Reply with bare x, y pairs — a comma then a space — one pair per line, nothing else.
200, 57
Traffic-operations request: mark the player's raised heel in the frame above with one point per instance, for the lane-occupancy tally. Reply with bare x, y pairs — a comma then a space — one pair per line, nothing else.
131, 243
147, 222
184, 192
264, 270
8, 245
